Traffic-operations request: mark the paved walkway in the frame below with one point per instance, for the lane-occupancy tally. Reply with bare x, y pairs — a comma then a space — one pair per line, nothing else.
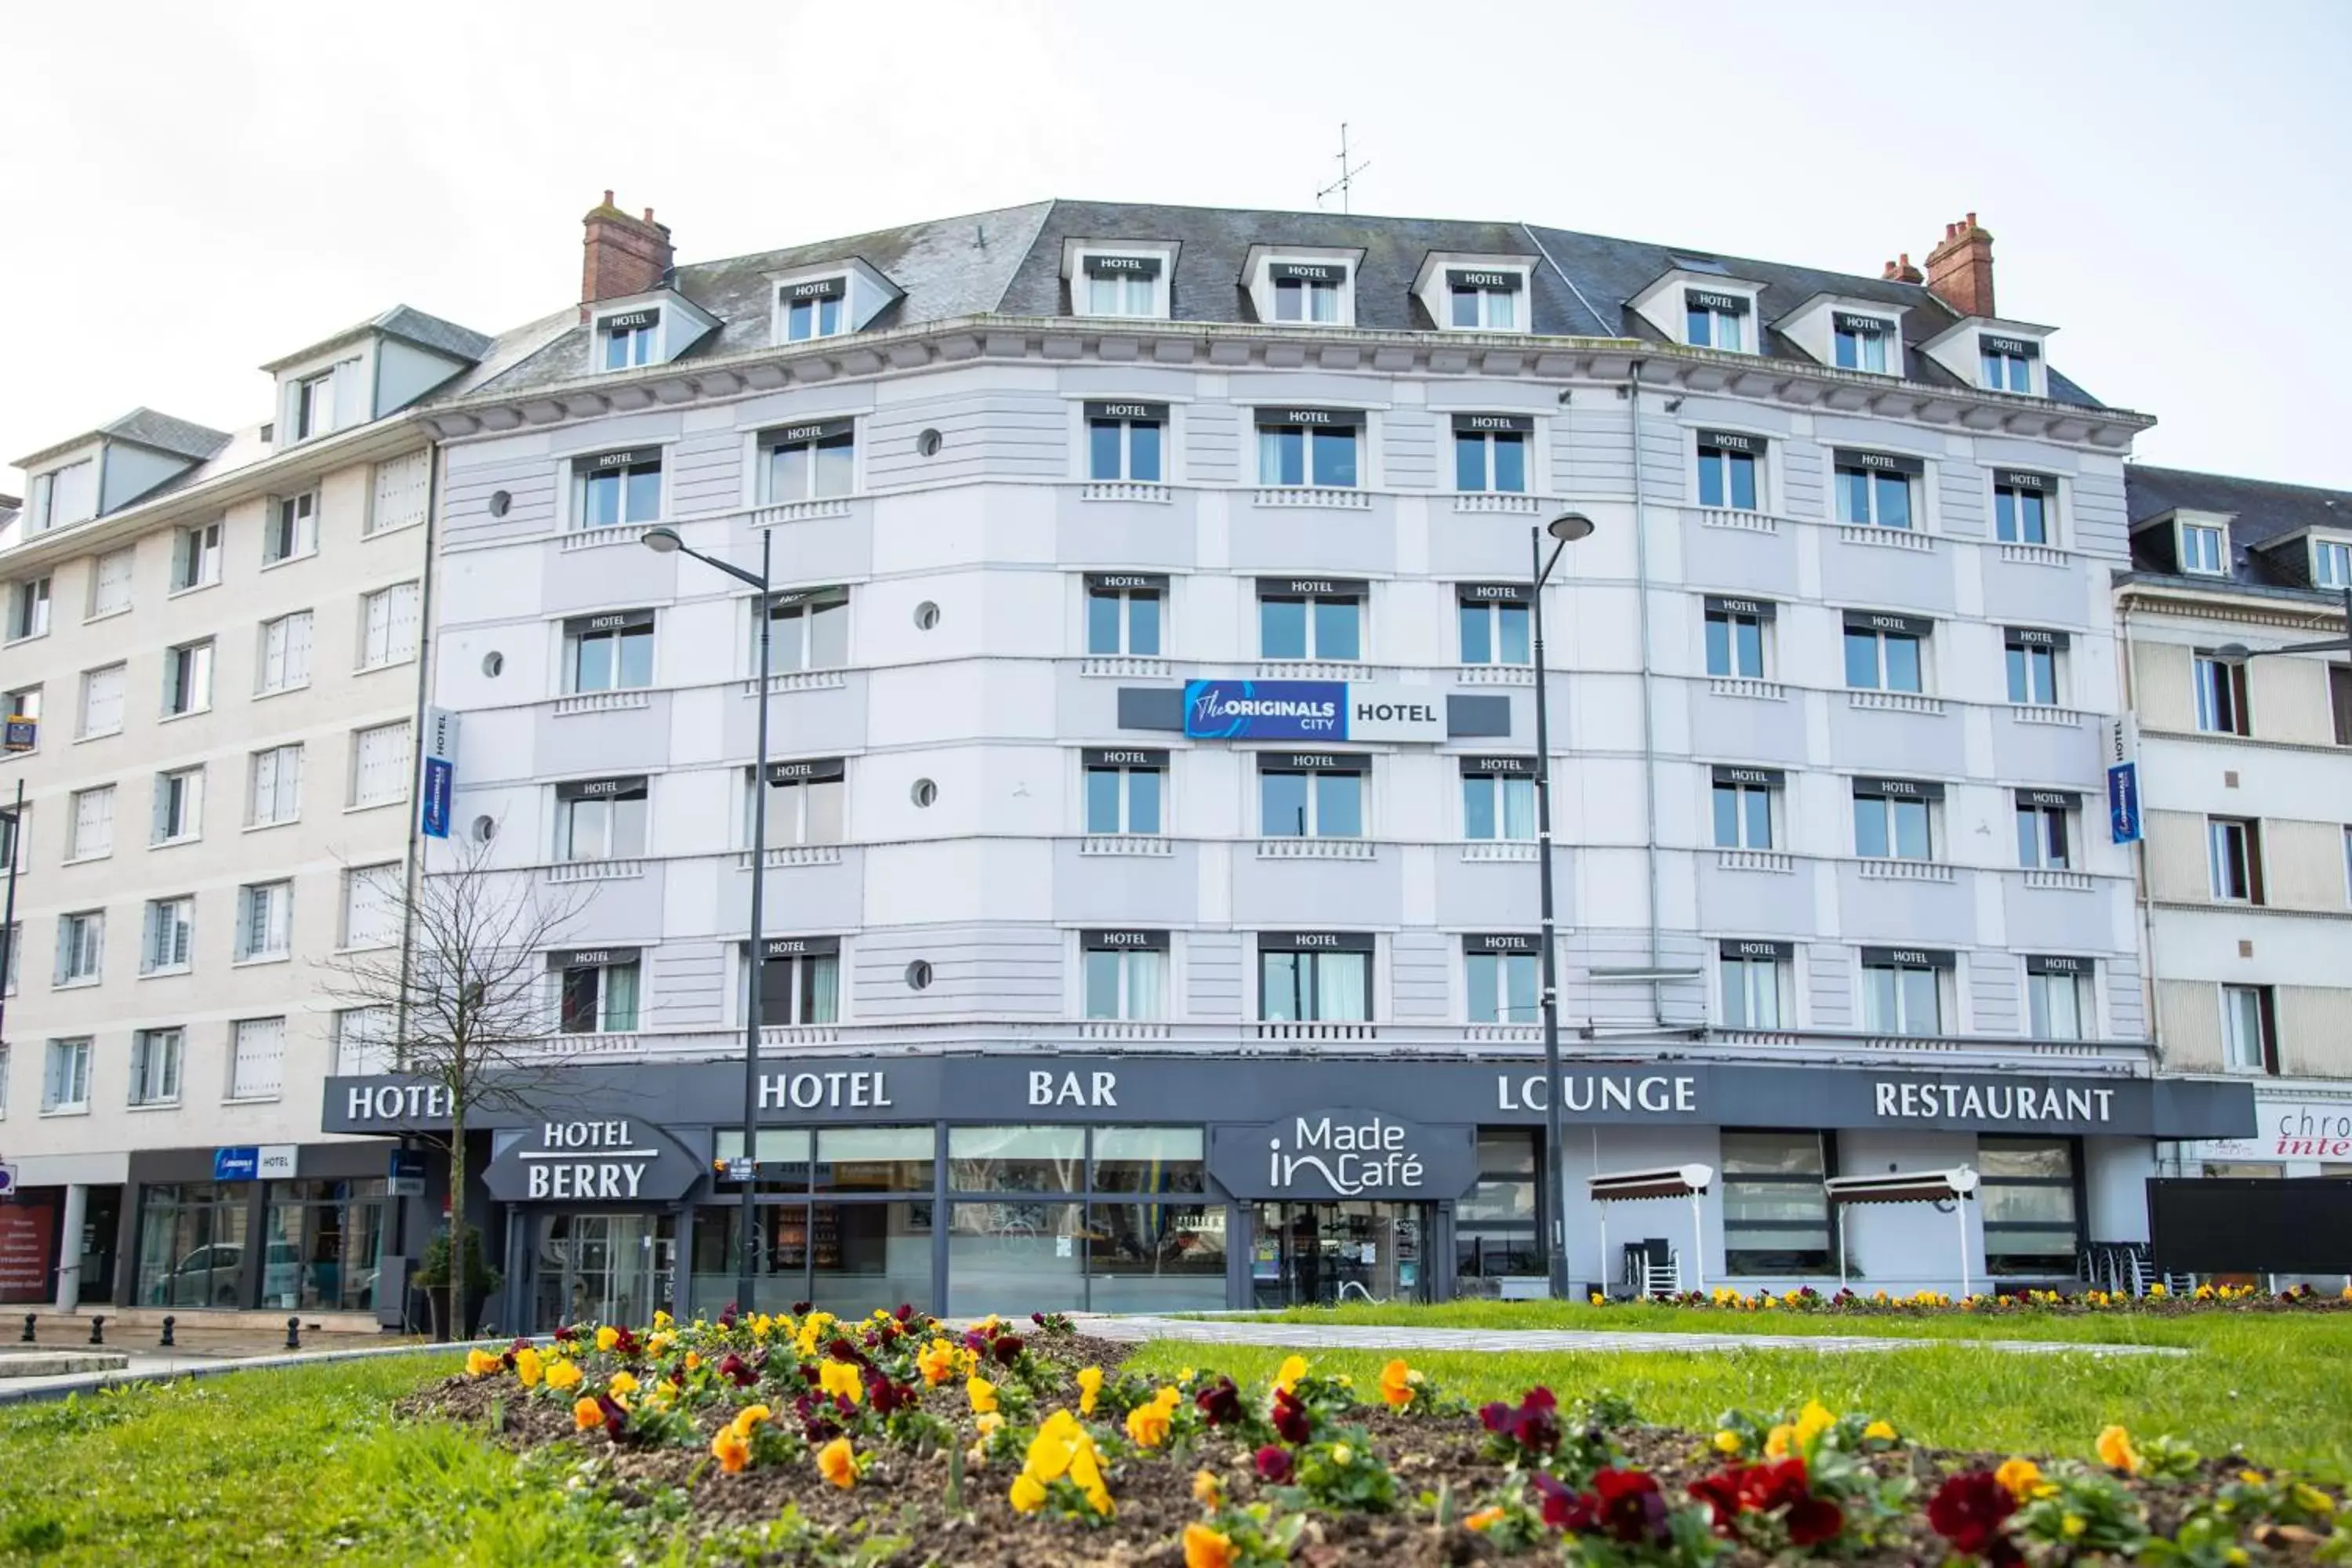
1399, 1337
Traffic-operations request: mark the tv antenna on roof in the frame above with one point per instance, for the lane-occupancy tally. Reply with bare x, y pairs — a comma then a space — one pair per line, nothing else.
1346, 183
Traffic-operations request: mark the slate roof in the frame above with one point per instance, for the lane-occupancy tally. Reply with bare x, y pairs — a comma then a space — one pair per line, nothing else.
145, 427
2261, 512
1008, 262
401, 321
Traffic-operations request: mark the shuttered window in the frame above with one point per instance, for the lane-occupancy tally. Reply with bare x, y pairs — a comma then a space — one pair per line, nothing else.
284, 653
404, 489
380, 764
371, 905
277, 786
93, 823
363, 1041
101, 701
257, 1060
388, 626
110, 583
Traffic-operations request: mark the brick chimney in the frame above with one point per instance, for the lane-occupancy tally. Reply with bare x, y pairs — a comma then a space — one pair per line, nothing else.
1902, 271
1959, 270
623, 255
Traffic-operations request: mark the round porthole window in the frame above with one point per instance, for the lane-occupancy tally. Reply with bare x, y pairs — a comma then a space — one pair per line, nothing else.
918, 975
924, 793
494, 664
499, 502
928, 443
485, 829
927, 616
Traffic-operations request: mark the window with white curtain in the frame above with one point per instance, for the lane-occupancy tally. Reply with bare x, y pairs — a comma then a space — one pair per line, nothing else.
265, 920
155, 1066
292, 529
1903, 989
277, 786
101, 701
388, 626
1315, 978
380, 764
1499, 798
28, 608
92, 833
1125, 974
81, 947
170, 939
256, 1058
805, 801
284, 662
65, 495
188, 677
179, 805
2247, 1031
1501, 975
1755, 977
196, 557
2058, 996
110, 583
65, 1081
800, 980
371, 905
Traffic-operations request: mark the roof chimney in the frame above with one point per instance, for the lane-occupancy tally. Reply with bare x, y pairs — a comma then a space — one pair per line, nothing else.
1959, 270
623, 255
1902, 271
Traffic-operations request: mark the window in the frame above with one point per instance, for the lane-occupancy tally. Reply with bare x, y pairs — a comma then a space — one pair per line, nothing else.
277, 786
628, 339
293, 530
1311, 795
1892, 818
1776, 1212
1735, 636
804, 462
5, 1064
1123, 974
1860, 342
28, 608
1755, 982
2021, 506
256, 1057
169, 944
2235, 853
2034, 665
2339, 700
65, 495
314, 405
196, 557
800, 980
2031, 1202
617, 489
110, 583
2204, 549
24, 703
17, 840
380, 764
1501, 975
1124, 613
285, 661
2249, 1036
601, 819
596, 990
1716, 320
1490, 452
2008, 363
1903, 989
101, 701
1315, 978
1117, 285
808, 629
2058, 996
265, 921
1743, 806
609, 652
363, 1040
81, 947
1882, 651
388, 626
1310, 618
1307, 290
1124, 441
188, 677
1482, 301
1873, 489
804, 802
91, 833
192, 1240
1499, 798
2220, 690
13, 937
1124, 791
1494, 1228
179, 805
402, 494
814, 309
1308, 448
2044, 836
371, 905
2331, 563
155, 1066
1727, 470
1494, 621
65, 1083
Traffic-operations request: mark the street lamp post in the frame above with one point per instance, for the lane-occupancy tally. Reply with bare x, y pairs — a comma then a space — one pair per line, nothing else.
14, 818
664, 541
1563, 528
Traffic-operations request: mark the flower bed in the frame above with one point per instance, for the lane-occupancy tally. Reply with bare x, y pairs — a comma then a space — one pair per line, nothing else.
1849, 1303
806, 1439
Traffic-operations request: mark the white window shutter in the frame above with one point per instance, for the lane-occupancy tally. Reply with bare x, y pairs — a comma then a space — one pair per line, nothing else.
403, 486
400, 639
259, 1067
298, 648
351, 396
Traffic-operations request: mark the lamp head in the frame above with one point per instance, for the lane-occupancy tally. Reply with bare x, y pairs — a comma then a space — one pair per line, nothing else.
661, 541
2233, 653
1570, 526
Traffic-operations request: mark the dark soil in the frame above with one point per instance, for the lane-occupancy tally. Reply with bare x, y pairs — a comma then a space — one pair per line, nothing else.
903, 1495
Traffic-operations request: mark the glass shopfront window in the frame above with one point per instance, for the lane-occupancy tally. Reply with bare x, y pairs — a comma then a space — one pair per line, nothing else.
192, 1244
875, 1160
1495, 1227
1007, 1256
2032, 1206
870, 1250
322, 1239
1776, 1214
1016, 1158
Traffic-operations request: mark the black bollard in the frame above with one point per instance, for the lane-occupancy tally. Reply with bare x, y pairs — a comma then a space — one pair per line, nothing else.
28, 1335
98, 1331
169, 1322
293, 1334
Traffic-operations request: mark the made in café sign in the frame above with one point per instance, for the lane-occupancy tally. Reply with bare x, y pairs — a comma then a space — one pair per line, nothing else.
1329, 1154
620, 1160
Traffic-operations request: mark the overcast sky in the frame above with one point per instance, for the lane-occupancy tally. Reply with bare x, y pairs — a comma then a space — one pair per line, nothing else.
195, 189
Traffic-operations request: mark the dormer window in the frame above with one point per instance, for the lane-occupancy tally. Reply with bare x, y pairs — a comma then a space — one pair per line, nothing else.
626, 340
1716, 320
2205, 549
1120, 285
612, 489
1861, 341
314, 405
65, 495
2007, 362
817, 308
1307, 290
1482, 300
2331, 563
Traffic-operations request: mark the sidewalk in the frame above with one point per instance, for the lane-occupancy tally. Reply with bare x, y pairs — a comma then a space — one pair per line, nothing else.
195, 1352
1385, 1337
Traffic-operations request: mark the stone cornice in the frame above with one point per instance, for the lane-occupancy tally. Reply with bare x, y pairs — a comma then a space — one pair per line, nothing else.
2294, 609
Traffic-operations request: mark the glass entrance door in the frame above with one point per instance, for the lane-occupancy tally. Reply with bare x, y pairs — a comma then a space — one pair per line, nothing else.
603, 1268
1306, 1255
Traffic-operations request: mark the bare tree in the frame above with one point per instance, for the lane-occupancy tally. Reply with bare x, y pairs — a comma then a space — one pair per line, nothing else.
464, 989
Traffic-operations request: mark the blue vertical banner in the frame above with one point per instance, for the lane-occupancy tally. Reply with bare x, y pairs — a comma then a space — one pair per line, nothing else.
440, 772
2123, 801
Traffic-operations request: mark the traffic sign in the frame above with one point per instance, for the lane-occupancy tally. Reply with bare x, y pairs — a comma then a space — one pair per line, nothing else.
7, 1179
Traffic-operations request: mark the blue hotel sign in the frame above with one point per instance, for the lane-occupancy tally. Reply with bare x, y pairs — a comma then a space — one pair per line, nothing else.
1312, 711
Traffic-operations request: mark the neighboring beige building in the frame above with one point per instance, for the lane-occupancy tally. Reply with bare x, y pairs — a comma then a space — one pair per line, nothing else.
2246, 783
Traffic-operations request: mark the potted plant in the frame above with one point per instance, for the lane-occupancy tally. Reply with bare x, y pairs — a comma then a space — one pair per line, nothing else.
475, 1276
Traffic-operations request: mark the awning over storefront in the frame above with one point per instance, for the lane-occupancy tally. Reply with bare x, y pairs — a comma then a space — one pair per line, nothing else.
1951, 1186
1668, 1181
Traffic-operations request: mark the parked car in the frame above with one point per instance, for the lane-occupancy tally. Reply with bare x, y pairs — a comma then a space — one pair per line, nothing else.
214, 1275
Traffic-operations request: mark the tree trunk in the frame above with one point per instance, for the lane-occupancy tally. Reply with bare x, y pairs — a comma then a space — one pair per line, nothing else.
456, 1284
